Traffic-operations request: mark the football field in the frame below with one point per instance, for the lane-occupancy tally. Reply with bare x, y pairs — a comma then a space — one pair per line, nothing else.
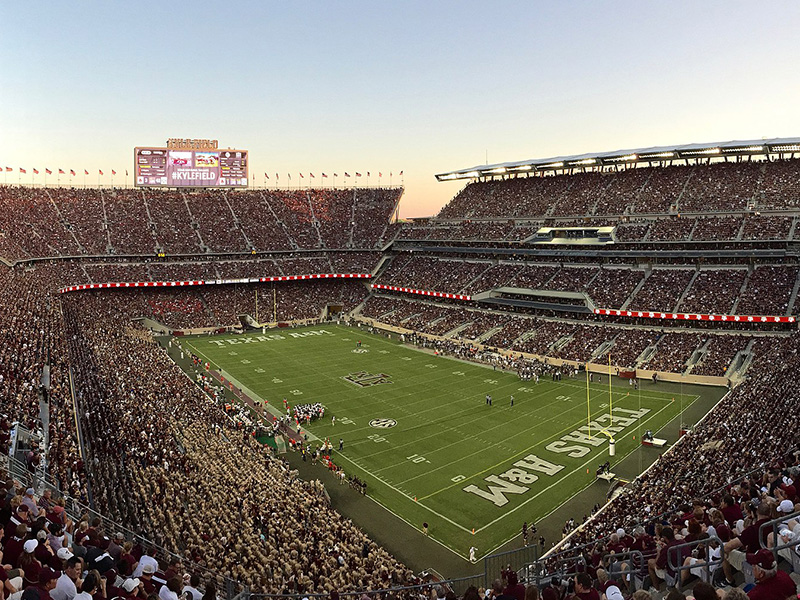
417, 427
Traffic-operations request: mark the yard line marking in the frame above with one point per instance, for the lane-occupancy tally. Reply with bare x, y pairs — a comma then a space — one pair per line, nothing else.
374, 400
521, 504
396, 489
482, 450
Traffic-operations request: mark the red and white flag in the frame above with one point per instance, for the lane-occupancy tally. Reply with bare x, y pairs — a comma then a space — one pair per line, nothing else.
401, 173
312, 176
48, 171
85, 172
9, 169
36, 171
380, 174
72, 172
358, 174
301, 176
61, 172
266, 176
324, 175
113, 172
21, 170
100, 171
346, 174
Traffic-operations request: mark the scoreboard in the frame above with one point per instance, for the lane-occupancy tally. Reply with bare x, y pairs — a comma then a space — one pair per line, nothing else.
170, 167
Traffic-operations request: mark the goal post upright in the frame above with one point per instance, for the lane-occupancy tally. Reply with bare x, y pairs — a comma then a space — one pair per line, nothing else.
588, 405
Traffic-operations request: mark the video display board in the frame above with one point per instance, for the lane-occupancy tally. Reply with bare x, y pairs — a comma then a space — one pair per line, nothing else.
167, 167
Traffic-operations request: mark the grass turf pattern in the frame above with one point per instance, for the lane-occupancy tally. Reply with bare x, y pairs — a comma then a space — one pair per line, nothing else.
416, 426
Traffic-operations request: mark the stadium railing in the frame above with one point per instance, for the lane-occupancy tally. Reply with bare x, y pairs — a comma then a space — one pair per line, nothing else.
519, 559
636, 563
774, 527
227, 588
677, 554
458, 586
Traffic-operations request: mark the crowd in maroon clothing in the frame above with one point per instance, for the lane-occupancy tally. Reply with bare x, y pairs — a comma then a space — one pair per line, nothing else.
733, 456
154, 435
715, 187
763, 290
672, 349
48, 222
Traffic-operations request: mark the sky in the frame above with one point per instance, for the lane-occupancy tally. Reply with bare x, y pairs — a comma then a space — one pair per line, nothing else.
421, 87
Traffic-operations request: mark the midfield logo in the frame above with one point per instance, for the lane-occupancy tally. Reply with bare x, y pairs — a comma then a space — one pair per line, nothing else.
365, 379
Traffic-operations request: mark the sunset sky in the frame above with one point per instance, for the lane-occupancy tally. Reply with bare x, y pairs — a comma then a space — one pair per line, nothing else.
420, 87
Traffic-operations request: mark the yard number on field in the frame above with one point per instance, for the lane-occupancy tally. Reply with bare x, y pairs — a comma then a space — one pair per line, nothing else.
416, 458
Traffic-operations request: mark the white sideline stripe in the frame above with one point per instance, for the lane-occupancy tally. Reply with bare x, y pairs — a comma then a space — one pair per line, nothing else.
432, 511
406, 521
390, 486
546, 407
250, 392
588, 485
521, 504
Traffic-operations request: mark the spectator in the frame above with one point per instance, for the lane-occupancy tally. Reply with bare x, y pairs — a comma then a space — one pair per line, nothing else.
771, 583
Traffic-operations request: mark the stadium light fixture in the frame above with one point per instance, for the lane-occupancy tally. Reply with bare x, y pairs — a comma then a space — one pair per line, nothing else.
745, 149
585, 161
498, 170
471, 174
786, 148
555, 165
659, 155
524, 168
705, 151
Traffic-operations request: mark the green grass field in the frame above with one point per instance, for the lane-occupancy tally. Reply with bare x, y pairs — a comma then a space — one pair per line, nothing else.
417, 428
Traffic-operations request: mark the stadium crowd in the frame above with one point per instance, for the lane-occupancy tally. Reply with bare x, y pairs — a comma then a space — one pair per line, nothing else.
80, 222
714, 187
164, 457
158, 436
725, 478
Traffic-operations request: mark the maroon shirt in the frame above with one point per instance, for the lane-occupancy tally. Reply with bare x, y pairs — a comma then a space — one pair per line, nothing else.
517, 591
148, 585
12, 551
592, 594
43, 593
749, 536
732, 514
779, 587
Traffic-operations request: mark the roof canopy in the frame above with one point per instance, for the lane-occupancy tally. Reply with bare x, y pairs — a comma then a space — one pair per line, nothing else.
631, 156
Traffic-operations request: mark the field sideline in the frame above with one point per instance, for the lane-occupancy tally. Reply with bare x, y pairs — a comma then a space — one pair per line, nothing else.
417, 428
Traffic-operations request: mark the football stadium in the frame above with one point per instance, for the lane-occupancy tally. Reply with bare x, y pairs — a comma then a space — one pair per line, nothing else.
576, 379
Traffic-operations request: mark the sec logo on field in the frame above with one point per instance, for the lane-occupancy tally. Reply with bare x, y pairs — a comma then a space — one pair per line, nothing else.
382, 423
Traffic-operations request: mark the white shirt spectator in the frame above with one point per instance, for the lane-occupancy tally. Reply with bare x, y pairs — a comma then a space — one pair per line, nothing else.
145, 560
166, 594
65, 589
194, 593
